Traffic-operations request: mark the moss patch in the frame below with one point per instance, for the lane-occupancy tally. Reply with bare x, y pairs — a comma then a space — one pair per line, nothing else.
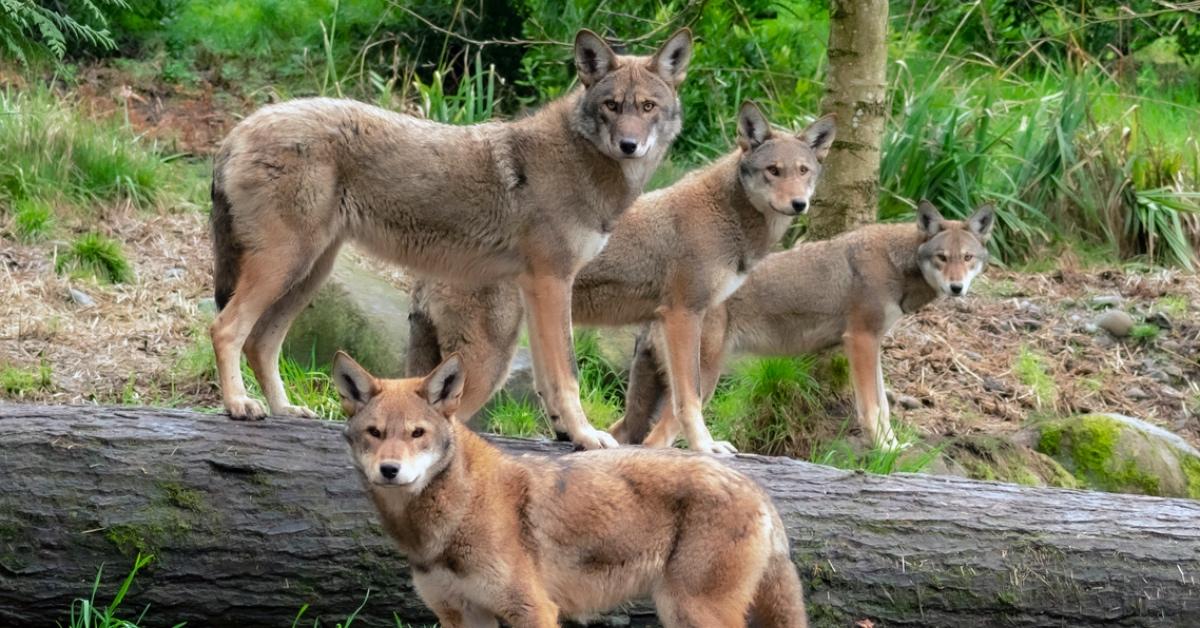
1106, 454
998, 459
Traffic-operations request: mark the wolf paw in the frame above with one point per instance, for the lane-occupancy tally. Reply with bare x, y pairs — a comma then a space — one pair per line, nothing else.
299, 411
245, 409
716, 447
593, 438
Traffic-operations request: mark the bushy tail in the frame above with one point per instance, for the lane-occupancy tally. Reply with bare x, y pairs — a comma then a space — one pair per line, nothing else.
779, 601
424, 350
227, 253
647, 391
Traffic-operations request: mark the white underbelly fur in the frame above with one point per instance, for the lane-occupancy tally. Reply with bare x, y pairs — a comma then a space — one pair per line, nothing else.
732, 282
590, 243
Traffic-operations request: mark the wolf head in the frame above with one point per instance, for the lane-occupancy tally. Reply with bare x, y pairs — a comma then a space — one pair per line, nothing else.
630, 103
779, 170
401, 432
954, 251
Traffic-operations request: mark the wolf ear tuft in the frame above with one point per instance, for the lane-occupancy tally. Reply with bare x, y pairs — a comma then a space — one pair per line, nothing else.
354, 383
819, 135
443, 387
753, 127
593, 57
929, 219
981, 222
671, 61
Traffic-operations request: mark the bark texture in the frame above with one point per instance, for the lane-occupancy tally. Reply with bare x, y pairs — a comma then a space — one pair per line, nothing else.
249, 521
856, 90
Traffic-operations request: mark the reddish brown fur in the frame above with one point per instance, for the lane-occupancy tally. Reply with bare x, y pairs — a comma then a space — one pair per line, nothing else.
531, 540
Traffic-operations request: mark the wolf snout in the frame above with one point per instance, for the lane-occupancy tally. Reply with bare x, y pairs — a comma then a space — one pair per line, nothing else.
956, 289
389, 471
628, 146
799, 205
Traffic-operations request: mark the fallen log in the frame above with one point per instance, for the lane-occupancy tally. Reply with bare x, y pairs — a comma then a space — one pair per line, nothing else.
250, 521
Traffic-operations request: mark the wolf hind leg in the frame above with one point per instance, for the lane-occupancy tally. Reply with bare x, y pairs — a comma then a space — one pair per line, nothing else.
265, 276
779, 600
265, 342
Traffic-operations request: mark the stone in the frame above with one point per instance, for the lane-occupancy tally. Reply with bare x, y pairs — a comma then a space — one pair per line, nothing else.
986, 457
356, 311
81, 298
908, 402
1116, 322
1118, 453
1160, 320
173, 274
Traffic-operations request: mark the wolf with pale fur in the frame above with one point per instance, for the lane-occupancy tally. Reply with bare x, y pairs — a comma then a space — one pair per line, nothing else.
530, 201
676, 253
849, 290
533, 540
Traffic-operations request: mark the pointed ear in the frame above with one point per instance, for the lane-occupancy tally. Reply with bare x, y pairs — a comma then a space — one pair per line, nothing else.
671, 61
929, 219
981, 222
819, 135
354, 384
443, 387
753, 127
593, 57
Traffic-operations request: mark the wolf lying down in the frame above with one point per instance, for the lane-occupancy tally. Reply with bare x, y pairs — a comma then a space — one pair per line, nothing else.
526, 540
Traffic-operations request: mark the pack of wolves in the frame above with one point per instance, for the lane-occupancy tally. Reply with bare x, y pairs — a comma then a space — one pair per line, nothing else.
543, 220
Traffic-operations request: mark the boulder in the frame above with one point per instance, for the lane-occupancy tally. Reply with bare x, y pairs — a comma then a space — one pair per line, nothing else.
359, 312
985, 457
1121, 454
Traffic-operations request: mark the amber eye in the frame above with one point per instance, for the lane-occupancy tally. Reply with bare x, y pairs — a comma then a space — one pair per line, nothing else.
942, 258
648, 106
968, 257
773, 170
611, 105
803, 169
419, 432
374, 432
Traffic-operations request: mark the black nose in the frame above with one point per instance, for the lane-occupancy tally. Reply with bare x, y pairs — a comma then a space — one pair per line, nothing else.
389, 471
956, 288
628, 146
799, 205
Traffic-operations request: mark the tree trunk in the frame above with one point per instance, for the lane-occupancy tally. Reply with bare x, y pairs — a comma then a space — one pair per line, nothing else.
856, 90
250, 521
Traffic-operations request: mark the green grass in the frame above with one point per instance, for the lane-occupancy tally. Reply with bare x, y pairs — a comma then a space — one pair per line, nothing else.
95, 255
1175, 305
776, 405
1144, 333
33, 219
911, 457
515, 417
1031, 370
53, 152
18, 382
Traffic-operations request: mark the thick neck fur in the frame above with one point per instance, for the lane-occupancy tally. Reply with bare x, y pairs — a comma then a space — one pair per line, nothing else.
424, 523
756, 231
917, 292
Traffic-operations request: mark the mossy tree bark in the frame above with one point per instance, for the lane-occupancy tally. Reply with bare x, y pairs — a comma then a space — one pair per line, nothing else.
249, 521
856, 90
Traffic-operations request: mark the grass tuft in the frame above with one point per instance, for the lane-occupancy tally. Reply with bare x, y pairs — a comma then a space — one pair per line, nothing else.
18, 382
33, 219
95, 255
1030, 368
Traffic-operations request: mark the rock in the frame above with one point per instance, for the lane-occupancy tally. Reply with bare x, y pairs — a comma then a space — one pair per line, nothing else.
1105, 300
1117, 453
1136, 393
81, 298
996, 458
356, 311
173, 274
1116, 322
908, 402
1160, 320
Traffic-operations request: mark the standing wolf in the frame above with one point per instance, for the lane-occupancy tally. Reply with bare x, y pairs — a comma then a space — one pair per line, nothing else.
676, 253
530, 200
527, 540
847, 290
